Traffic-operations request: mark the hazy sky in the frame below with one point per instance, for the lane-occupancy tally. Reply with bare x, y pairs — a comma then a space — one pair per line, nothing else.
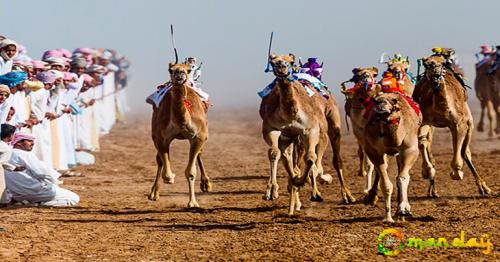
231, 37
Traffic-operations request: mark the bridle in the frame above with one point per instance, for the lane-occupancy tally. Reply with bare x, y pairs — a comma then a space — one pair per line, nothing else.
288, 76
437, 78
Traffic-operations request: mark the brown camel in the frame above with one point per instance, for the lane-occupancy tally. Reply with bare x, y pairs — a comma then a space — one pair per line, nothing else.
392, 129
290, 119
181, 115
443, 101
356, 102
484, 85
398, 70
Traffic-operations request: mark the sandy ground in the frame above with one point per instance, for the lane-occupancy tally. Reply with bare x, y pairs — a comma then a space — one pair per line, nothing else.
116, 222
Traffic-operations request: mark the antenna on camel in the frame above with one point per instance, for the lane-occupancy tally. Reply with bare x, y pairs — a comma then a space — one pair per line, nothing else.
173, 43
269, 53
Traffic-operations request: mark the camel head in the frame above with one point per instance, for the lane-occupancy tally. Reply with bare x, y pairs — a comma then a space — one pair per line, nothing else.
385, 103
435, 69
179, 73
398, 69
282, 64
387, 108
365, 76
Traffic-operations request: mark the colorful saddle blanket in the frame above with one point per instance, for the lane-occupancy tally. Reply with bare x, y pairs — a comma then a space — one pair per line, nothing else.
307, 79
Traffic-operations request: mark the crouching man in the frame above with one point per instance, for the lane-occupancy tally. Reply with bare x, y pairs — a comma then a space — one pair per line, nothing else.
38, 183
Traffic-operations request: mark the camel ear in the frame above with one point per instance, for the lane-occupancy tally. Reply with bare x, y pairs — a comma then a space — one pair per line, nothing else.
292, 56
424, 60
171, 64
272, 56
374, 69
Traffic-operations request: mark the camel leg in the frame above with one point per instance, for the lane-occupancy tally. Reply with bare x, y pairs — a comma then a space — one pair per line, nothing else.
369, 168
492, 117
274, 154
480, 125
155, 190
458, 133
347, 197
380, 163
190, 172
371, 197
467, 155
366, 168
206, 184
295, 203
406, 159
310, 142
166, 174
497, 111
424, 144
361, 154
321, 148
291, 169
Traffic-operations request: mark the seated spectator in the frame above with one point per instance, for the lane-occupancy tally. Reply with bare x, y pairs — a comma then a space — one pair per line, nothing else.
6, 134
38, 183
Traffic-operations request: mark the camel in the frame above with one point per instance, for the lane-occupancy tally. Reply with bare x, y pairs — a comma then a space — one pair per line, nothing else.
292, 119
365, 87
398, 70
496, 101
392, 129
181, 115
484, 86
443, 101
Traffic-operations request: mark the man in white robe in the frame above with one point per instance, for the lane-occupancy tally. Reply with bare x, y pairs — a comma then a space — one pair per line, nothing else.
39, 107
8, 50
38, 183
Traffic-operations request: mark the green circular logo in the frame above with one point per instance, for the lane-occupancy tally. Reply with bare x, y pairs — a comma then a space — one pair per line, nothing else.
390, 242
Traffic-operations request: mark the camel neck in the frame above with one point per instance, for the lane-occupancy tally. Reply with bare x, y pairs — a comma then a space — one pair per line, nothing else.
288, 96
180, 104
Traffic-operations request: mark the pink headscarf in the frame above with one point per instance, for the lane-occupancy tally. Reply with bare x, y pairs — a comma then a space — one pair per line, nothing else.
65, 52
37, 64
22, 136
69, 76
84, 50
51, 53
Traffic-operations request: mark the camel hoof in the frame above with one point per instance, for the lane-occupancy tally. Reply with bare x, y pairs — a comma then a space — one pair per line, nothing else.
206, 186
169, 180
389, 220
484, 190
404, 213
457, 175
492, 134
348, 198
153, 197
193, 204
316, 198
433, 194
480, 128
371, 199
325, 179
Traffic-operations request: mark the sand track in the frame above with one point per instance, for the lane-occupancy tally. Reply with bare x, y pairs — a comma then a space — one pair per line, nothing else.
116, 222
